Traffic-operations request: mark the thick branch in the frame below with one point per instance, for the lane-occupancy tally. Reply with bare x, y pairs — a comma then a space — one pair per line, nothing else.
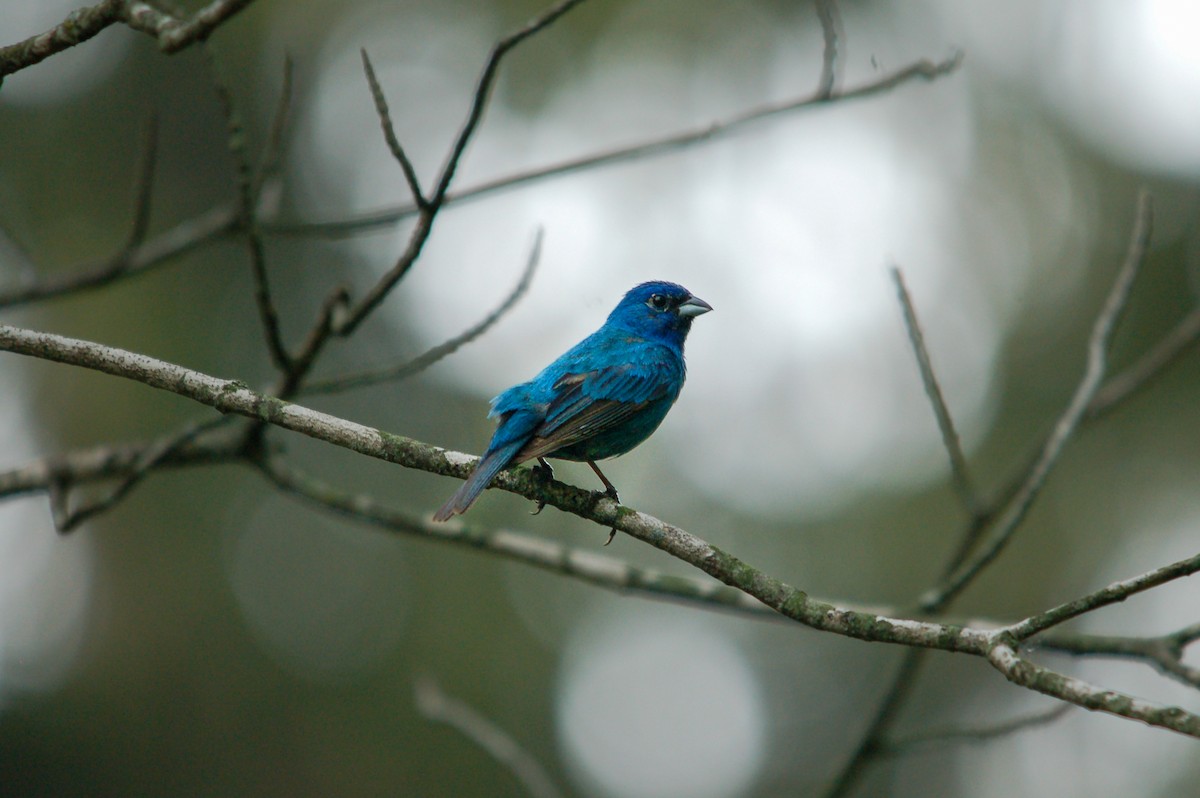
234, 397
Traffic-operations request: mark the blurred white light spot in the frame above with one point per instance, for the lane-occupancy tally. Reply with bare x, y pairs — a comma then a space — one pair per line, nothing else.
328, 600
45, 585
1122, 74
45, 579
650, 709
1174, 24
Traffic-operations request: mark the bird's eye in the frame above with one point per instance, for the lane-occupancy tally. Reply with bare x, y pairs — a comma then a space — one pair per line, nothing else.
658, 302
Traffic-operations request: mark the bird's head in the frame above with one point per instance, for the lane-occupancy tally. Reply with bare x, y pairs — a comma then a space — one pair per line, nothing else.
659, 310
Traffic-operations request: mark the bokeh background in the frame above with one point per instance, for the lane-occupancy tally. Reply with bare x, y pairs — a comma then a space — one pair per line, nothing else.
210, 637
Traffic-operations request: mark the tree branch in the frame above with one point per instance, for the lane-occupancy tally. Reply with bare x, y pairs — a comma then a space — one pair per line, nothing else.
972, 734
1116, 592
173, 34
436, 706
423, 361
374, 220
950, 440
1023, 672
1068, 422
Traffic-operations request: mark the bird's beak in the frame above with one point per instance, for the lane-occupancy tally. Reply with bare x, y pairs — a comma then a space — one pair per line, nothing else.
694, 306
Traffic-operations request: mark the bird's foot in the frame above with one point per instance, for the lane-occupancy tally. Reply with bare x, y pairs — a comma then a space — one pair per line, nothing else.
545, 472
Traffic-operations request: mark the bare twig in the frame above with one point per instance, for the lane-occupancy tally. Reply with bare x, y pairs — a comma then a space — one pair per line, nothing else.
427, 212
972, 734
1064, 428
112, 461
389, 134
831, 24
173, 33
145, 191
483, 90
385, 218
933, 389
872, 743
123, 262
1164, 652
428, 358
159, 250
272, 152
1116, 592
435, 705
66, 519
1148, 366
1018, 500
248, 222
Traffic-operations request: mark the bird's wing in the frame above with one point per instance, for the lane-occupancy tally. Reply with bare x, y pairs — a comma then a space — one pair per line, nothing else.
593, 402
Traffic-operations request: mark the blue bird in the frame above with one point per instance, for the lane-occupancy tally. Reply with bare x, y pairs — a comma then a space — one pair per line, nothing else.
600, 399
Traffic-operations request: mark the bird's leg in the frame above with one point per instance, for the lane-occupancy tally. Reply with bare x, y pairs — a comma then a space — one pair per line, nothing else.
610, 491
544, 471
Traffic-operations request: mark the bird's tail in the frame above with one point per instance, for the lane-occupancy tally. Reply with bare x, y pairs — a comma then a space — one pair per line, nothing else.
491, 465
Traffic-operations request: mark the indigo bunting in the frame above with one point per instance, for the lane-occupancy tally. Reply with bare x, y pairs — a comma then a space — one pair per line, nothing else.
602, 398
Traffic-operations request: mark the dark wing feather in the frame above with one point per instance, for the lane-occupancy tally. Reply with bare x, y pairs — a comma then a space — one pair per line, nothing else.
581, 408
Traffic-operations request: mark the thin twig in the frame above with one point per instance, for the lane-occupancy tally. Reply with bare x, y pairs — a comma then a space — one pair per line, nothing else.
389, 133
426, 359
435, 705
247, 218
428, 212
1164, 652
483, 90
328, 317
174, 33
1064, 428
1018, 501
831, 24
872, 742
66, 519
145, 192
1118, 591
972, 734
125, 261
1148, 366
387, 217
272, 152
933, 389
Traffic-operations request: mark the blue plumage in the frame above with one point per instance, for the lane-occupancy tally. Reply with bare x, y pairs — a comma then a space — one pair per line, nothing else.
600, 399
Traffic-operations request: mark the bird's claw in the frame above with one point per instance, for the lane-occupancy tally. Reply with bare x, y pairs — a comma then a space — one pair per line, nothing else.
545, 472
597, 495
612, 533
